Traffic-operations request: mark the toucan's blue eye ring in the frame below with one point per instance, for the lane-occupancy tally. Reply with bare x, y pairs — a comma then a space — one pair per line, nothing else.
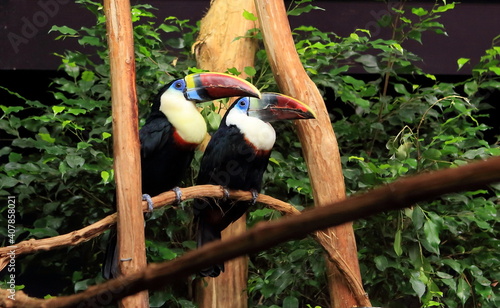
243, 103
178, 84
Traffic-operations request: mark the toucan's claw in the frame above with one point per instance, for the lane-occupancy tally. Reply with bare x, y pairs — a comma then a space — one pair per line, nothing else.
147, 198
255, 195
225, 194
178, 195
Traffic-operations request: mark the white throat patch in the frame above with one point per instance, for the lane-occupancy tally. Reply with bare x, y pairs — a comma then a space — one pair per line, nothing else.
184, 116
258, 132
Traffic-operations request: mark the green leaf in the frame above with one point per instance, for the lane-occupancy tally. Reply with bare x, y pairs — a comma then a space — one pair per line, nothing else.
339, 70
400, 88
370, 63
58, 109
405, 20
77, 111
88, 76
357, 83
250, 71
7, 181
306, 9
233, 71
444, 8
42, 232
416, 35
432, 154
75, 161
397, 243
417, 285
444, 275
461, 62
463, 290
431, 232
419, 11
63, 30
213, 119
274, 161
471, 87
297, 255
105, 176
290, 302
11, 109
166, 253
46, 137
495, 69
90, 40
168, 28
381, 262
105, 135
430, 76
361, 102
15, 157
418, 217
455, 265
249, 16
354, 36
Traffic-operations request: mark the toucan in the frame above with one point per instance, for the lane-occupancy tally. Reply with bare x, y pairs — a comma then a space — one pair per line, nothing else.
236, 158
173, 129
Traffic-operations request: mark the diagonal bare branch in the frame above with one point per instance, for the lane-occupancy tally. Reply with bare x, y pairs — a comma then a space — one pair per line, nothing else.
402, 193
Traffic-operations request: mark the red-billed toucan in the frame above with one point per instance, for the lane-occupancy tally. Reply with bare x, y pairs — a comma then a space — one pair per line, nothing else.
236, 158
175, 127
173, 130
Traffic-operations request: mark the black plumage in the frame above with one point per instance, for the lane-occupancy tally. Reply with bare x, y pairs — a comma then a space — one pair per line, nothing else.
230, 161
165, 154
164, 158
236, 158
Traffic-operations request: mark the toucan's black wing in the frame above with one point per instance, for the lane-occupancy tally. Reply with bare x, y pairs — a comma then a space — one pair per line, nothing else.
154, 135
229, 161
163, 161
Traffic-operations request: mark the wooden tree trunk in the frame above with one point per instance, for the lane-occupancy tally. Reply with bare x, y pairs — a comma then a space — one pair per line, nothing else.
217, 51
318, 140
131, 244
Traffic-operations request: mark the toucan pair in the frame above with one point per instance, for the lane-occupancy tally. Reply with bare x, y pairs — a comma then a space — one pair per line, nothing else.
236, 157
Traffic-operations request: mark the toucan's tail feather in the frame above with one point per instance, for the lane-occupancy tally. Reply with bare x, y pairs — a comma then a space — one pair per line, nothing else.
110, 266
206, 234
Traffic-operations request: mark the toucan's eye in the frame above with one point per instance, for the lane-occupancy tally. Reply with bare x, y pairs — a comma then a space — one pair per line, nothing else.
178, 84
243, 103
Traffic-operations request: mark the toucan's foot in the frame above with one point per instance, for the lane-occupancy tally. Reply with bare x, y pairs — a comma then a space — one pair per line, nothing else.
148, 199
178, 195
225, 193
255, 195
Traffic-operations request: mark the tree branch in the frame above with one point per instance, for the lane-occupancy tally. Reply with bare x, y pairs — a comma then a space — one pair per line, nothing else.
402, 193
87, 233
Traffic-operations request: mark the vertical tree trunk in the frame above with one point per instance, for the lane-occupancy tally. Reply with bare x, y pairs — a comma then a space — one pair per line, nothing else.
131, 244
216, 50
318, 140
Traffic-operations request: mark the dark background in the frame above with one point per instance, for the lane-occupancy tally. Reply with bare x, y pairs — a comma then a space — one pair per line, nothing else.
28, 60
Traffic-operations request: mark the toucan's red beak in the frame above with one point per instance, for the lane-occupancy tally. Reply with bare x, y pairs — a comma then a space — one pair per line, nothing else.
203, 87
275, 107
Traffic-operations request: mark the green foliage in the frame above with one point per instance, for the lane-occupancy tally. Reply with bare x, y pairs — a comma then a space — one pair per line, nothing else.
60, 164
398, 121
388, 126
